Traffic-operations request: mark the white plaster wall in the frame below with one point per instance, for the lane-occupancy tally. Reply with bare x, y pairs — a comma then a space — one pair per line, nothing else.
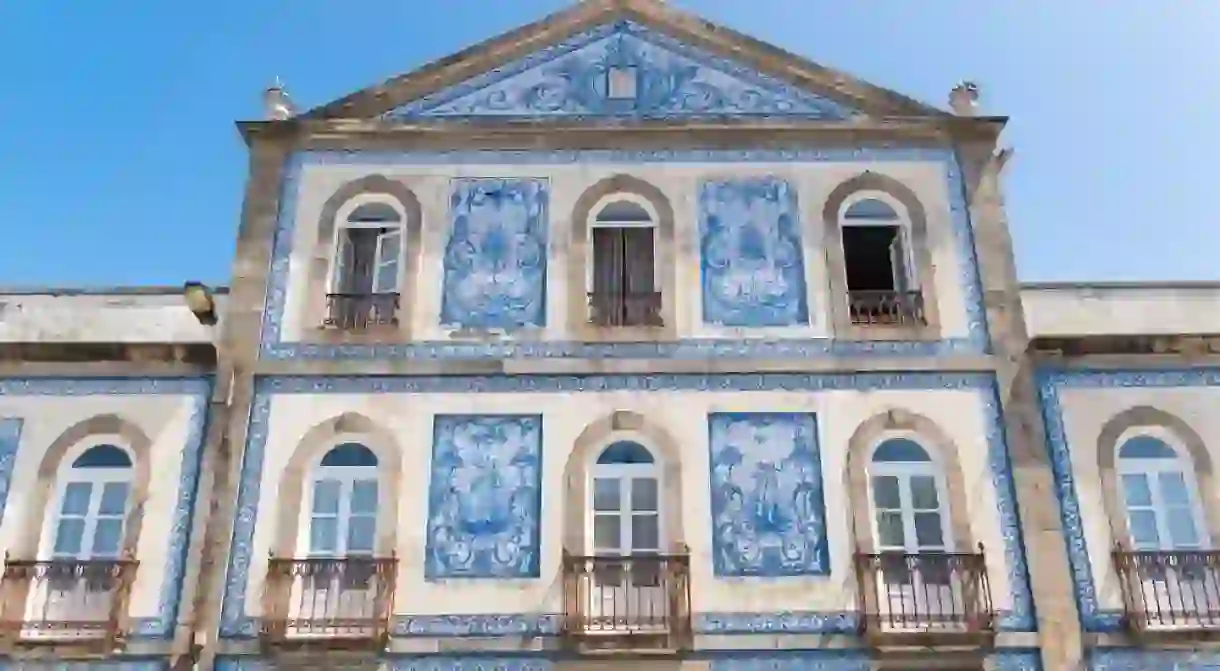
165, 419
1154, 309
679, 182
684, 416
1085, 413
123, 317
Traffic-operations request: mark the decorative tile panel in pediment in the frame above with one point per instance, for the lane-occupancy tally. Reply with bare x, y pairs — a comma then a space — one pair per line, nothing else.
622, 70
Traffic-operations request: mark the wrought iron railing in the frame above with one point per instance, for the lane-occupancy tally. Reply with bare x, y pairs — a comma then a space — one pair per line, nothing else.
925, 593
638, 601
886, 308
1170, 591
66, 601
356, 312
631, 309
331, 601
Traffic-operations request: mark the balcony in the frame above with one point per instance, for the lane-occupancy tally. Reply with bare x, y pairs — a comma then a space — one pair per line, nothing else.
360, 312
66, 603
615, 309
328, 602
886, 308
638, 603
1168, 594
925, 599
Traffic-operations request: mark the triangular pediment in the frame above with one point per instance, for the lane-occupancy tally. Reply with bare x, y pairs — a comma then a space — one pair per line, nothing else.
627, 59
622, 70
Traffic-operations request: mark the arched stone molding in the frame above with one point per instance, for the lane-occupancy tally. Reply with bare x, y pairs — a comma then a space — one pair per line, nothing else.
836, 269
580, 259
404, 200
622, 425
60, 455
1180, 436
901, 423
346, 428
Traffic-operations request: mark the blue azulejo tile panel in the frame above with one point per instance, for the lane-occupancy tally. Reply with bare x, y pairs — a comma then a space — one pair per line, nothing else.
128, 664
751, 263
768, 512
409, 663
621, 69
1093, 617
161, 625
1139, 659
850, 660
484, 497
274, 346
495, 259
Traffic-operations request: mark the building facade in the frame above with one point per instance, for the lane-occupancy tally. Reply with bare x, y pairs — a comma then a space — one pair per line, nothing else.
622, 339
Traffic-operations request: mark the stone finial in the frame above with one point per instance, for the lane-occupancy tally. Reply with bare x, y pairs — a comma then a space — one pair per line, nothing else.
276, 103
964, 98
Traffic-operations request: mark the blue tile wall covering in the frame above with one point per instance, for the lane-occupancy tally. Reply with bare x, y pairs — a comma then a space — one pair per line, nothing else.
1050, 382
199, 389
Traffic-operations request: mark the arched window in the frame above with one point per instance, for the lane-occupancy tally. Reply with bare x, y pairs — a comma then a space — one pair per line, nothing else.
626, 517
91, 505
908, 494
1160, 496
368, 248
343, 503
877, 259
623, 282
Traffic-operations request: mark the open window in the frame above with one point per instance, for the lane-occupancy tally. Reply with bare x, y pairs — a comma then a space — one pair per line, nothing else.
366, 273
881, 284
623, 284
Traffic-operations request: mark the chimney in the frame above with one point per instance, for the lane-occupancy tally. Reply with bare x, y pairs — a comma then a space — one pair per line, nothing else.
964, 99
276, 103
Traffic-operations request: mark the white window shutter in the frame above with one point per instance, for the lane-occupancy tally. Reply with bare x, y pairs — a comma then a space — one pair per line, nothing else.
389, 258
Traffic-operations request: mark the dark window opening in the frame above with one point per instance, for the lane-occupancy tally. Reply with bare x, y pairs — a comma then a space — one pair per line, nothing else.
365, 288
879, 285
624, 285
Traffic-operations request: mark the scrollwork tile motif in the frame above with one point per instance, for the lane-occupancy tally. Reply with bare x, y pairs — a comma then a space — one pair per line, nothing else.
768, 510
1124, 659
10, 438
751, 261
495, 258
1050, 381
484, 497
664, 79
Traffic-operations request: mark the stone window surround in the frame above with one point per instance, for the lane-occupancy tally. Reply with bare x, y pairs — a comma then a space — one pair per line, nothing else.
370, 188
291, 514
579, 469
1182, 437
108, 428
897, 423
911, 212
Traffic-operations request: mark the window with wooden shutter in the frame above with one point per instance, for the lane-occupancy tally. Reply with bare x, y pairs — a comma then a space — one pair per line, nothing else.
624, 291
368, 257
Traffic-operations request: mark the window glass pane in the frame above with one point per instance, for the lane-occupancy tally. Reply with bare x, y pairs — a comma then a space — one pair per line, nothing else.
900, 449
1182, 531
107, 537
885, 492
76, 498
645, 532
68, 536
889, 530
323, 535
326, 496
606, 494
364, 496
1173, 488
389, 247
350, 454
1143, 528
928, 532
644, 494
114, 499
1135, 489
386, 280
606, 532
361, 534
923, 493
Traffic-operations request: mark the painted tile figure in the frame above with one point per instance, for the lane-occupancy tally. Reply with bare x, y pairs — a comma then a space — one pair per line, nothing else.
752, 265
495, 260
484, 497
768, 512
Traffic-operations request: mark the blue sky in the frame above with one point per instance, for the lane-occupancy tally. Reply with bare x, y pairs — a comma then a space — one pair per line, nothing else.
119, 162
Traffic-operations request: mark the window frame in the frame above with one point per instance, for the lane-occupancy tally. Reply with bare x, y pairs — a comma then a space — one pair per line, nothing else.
346, 476
621, 472
97, 477
343, 225
904, 471
905, 236
652, 223
1182, 462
